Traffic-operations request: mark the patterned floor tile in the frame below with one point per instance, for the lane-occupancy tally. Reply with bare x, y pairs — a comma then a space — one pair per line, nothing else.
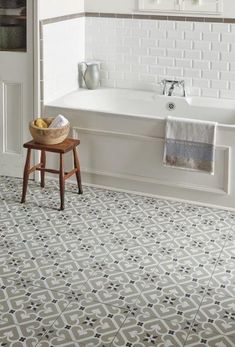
207, 218
223, 278
137, 220
141, 329
87, 323
111, 254
195, 247
12, 336
44, 271
117, 289
169, 306
105, 226
217, 314
131, 239
181, 281
198, 269
27, 311
132, 259
199, 337
57, 341
149, 204
172, 295
228, 252
45, 261
121, 204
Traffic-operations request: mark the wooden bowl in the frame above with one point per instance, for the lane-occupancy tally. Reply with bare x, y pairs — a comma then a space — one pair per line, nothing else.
49, 136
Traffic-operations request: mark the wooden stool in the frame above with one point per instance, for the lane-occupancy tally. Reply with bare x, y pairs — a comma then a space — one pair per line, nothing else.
61, 148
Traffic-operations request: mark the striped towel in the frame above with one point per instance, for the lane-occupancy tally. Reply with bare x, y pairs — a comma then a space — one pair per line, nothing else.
190, 144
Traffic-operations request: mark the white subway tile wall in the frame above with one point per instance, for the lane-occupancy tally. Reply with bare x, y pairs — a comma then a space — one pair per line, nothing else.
139, 53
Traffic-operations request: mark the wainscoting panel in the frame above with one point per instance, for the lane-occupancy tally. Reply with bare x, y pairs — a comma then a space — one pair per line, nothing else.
139, 158
12, 117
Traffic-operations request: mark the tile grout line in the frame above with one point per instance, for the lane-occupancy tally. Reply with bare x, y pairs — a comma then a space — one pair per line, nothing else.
205, 293
47, 330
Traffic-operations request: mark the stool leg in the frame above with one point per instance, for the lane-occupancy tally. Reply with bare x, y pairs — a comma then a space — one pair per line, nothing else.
43, 165
78, 172
62, 181
26, 175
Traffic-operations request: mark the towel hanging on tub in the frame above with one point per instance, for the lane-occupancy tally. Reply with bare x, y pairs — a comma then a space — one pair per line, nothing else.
190, 144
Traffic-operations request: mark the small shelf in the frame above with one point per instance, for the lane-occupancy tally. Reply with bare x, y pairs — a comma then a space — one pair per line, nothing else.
20, 50
12, 16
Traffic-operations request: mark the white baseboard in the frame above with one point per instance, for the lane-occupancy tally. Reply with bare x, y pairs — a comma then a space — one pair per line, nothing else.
135, 192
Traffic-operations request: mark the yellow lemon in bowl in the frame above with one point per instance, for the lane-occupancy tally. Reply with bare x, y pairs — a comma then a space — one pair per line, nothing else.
40, 123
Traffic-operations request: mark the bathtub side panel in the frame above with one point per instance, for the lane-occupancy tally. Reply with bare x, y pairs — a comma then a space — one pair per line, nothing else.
126, 153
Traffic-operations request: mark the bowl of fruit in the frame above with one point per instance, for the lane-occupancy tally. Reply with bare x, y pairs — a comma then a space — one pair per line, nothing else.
48, 131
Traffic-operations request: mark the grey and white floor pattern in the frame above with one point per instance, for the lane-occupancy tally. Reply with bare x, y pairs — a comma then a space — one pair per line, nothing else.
113, 269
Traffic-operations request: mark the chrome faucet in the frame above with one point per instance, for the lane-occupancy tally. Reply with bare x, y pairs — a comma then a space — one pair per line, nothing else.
172, 83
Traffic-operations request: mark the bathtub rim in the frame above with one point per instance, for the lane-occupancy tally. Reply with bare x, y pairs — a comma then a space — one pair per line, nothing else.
191, 101
224, 126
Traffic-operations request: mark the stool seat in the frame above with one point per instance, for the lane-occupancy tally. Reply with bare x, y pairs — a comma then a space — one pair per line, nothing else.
61, 148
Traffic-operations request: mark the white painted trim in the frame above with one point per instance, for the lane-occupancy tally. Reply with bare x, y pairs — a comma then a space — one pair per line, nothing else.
36, 77
36, 65
155, 181
179, 9
226, 149
6, 84
154, 196
116, 134
125, 135
1, 118
227, 178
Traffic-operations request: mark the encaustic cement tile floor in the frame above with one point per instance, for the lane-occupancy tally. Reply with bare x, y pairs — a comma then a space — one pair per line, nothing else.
113, 269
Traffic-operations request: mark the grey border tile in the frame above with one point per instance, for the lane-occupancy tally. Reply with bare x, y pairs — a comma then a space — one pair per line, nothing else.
139, 16
92, 14
124, 15
161, 17
195, 19
108, 15
229, 20
62, 18
214, 20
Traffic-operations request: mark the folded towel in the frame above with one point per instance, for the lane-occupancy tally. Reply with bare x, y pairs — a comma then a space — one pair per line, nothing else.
190, 144
59, 122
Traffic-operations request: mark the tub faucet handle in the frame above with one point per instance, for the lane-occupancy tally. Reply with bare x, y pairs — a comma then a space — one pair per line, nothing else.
163, 84
182, 85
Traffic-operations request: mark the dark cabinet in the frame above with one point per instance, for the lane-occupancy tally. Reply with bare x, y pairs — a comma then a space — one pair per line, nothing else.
13, 22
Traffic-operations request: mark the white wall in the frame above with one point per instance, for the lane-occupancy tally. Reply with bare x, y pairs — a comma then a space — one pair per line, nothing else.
63, 48
117, 6
125, 6
56, 8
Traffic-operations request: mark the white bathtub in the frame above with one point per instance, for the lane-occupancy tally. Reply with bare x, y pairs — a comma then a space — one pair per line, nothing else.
148, 105
122, 137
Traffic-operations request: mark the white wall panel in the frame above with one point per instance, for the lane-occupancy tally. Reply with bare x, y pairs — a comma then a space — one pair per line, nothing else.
12, 117
128, 6
56, 8
63, 49
129, 162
